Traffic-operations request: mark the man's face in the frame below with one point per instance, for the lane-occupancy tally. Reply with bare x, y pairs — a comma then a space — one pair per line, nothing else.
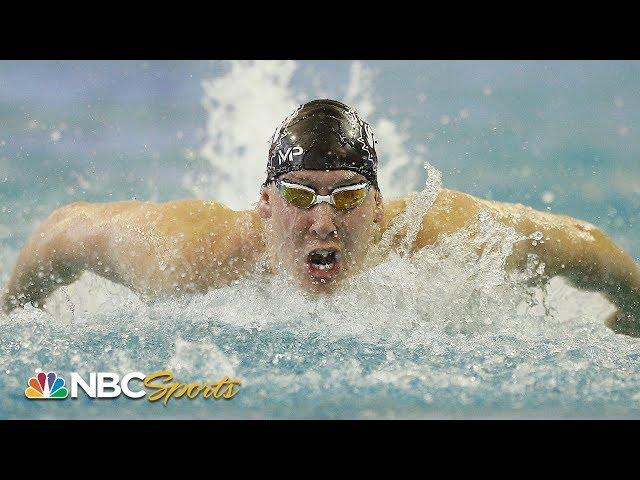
321, 245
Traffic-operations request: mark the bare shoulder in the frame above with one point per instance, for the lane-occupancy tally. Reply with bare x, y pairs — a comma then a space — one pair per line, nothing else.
178, 226
165, 217
528, 220
201, 221
196, 217
198, 243
450, 211
196, 223
453, 210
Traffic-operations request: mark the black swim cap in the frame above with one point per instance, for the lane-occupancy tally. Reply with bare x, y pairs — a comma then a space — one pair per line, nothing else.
323, 135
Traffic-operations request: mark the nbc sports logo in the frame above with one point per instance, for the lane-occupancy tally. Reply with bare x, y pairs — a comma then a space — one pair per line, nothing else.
46, 386
51, 386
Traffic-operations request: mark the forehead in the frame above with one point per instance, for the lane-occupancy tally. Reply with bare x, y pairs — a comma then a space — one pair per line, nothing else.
324, 177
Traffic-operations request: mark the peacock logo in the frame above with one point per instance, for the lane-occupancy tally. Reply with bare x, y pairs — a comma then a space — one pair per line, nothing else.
46, 386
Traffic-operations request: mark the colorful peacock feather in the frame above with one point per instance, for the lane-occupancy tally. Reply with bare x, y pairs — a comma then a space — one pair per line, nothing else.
46, 386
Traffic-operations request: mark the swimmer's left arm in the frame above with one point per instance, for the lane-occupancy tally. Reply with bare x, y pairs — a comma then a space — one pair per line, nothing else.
568, 247
580, 252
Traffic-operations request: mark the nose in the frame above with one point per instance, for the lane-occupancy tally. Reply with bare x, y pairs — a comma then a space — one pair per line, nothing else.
323, 224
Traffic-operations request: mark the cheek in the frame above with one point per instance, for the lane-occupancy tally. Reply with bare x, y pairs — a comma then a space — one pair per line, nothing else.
289, 223
357, 237
359, 222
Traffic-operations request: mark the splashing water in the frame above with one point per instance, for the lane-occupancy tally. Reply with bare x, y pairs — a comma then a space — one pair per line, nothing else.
441, 333
410, 220
238, 132
249, 102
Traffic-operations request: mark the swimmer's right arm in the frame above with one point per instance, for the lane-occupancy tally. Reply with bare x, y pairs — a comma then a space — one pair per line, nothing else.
82, 237
51, 257
151, 248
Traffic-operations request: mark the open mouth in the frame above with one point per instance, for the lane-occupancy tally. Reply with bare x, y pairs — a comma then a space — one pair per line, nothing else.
323, 262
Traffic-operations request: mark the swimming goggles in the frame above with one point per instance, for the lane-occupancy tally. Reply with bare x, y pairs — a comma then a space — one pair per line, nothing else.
343, 198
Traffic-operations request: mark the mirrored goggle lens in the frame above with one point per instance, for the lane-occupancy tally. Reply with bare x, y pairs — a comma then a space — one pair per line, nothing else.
297, 196
347, 199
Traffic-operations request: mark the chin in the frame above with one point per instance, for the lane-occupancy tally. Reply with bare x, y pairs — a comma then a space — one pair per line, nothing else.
313, 285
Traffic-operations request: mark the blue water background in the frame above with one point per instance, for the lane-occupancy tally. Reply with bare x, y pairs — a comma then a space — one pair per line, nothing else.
564, 131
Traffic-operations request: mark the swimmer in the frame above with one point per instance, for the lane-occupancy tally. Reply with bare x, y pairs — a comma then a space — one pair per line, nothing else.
319, 217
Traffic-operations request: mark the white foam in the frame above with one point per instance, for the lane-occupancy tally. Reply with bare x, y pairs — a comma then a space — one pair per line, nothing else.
445, 332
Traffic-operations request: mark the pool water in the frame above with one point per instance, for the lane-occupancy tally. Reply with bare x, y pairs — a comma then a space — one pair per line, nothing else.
444, 333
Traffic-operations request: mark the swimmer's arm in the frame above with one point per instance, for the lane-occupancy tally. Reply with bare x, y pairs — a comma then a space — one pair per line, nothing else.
569, 247
580, 252
151, 248
48, 260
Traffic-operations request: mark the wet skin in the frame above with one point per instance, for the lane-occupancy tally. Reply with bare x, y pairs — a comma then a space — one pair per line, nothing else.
194, 245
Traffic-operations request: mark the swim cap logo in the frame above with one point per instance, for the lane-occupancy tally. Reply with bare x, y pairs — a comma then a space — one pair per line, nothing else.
369, 140
323, 134
279, 132
47, 386
289, 154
